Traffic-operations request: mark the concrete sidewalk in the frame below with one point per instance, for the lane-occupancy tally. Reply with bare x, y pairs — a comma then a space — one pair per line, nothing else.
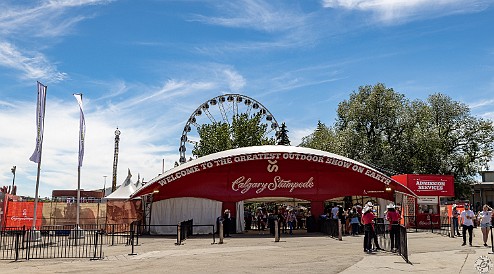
257, 252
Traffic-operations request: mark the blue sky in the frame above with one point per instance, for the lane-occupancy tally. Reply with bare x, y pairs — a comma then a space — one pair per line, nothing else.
145, 66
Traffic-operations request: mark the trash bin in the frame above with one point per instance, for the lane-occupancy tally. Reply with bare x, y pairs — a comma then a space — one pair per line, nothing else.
311, 224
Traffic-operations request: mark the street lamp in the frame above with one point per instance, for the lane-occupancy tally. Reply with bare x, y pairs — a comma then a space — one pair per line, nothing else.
13, 179
104, 186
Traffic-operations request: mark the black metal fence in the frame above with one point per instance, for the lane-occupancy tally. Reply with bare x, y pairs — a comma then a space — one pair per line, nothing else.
392, 238
18, 244
185, 230
432, 223
403, 249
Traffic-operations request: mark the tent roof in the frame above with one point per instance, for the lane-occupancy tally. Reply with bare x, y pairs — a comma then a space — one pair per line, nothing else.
124, 191
221, 173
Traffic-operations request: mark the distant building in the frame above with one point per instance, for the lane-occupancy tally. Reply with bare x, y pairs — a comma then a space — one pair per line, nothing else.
69, 196
484, 190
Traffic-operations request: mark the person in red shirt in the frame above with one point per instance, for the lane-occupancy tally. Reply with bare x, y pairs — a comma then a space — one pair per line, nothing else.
369, 233
394, 231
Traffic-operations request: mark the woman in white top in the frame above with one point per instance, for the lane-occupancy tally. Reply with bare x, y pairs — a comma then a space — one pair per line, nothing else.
485, 222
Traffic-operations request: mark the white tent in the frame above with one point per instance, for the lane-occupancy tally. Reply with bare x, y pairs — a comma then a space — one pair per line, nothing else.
124, 191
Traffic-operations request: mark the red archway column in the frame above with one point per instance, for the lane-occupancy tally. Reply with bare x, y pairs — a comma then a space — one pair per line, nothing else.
232, 206
316, 208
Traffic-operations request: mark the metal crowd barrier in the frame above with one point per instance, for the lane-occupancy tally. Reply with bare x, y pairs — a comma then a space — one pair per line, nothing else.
17, 244
384, 239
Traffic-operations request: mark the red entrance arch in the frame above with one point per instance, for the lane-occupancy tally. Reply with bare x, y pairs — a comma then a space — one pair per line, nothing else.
272, 171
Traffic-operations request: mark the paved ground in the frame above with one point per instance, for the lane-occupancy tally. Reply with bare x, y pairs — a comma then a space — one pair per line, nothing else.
258, 253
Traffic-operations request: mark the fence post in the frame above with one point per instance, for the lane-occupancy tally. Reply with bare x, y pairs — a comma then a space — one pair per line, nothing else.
17, 245
178, 235
214, 241
340, 236
276, 231
137, 232
95, 245
492, 243
132, 240
452, 228
432, 225
221, 233
112, 234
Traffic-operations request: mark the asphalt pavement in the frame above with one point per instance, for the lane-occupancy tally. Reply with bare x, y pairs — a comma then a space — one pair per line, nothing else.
257, 252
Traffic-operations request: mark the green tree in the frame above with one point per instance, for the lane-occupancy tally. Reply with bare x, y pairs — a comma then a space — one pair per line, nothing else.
249, 131
372, 121
214, 138
322, 138
282, 136
244, 131
452, 141
382, 128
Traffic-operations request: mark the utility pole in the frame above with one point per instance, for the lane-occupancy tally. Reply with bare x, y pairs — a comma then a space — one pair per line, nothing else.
115, 160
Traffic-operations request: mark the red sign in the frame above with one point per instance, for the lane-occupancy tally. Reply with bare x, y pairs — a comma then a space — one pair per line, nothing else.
271, 171
22, 213
428, 185
427, 221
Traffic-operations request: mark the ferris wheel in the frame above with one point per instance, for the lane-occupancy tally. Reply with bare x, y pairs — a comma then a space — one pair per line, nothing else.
222, 109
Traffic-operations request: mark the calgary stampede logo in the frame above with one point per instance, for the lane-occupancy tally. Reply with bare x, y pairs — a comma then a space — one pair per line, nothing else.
483, 264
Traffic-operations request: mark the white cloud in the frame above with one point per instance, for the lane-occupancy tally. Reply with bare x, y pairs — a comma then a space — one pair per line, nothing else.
255, 14
235, 81
287, 25
46, 18
32, 65
151, 119
297, 134
481, 103
138, 149
38, 21
395, 11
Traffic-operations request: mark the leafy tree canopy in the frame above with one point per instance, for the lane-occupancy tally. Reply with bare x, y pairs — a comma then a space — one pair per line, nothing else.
382, 128
244, 131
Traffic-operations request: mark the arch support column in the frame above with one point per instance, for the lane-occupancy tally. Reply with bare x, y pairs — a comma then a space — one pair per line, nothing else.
316, 208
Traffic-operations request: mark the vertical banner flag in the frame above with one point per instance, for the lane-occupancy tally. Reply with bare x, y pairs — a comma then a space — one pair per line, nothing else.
40, 122
82, 128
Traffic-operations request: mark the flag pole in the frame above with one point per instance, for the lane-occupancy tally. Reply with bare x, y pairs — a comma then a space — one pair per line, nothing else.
82, 130
78, 195
41, 124
36, 193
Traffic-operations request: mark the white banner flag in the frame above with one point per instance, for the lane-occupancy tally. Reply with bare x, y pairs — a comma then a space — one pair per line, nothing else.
82, 128
40, 122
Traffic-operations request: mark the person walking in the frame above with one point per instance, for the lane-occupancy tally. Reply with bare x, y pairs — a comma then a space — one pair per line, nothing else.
369, 232
226, 223
354, 222
291, 220
485, 222
455, 213
467, 223
394, 222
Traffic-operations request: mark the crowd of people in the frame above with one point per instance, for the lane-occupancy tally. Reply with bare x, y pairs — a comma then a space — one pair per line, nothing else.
358, 220
289, 218
469, 219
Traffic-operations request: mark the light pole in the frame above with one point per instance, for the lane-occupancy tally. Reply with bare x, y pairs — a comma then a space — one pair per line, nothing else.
13, 179
104, 186
472, 206
115, 160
